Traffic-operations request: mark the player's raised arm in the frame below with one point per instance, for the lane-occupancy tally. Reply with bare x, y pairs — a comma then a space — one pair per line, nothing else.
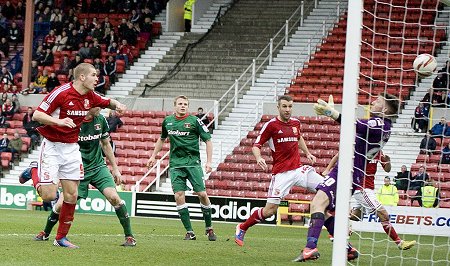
327, 109
46, 119
158, 147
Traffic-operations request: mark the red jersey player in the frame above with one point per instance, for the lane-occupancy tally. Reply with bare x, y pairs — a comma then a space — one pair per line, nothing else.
283, 135
61, 113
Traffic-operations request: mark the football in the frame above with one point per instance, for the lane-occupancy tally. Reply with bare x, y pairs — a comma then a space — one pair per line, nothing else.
425, 65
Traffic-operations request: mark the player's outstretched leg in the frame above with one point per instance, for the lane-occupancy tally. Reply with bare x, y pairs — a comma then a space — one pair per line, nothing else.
255, 218
239, 236
124, 218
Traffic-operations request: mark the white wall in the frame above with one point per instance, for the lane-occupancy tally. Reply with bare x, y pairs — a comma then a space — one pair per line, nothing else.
174, 16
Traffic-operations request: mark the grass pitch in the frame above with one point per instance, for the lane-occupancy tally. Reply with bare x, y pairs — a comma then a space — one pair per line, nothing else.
159, 242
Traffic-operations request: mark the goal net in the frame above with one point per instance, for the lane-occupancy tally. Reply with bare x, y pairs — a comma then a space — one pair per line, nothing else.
393, 33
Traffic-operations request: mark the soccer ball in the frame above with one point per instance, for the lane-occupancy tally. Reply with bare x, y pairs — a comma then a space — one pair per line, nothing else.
425, 65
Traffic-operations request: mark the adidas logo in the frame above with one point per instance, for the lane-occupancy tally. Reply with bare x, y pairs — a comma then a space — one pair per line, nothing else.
71, 103
280, 132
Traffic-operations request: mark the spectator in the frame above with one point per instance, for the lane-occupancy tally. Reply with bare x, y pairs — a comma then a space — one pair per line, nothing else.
403, 178
8, 10
15, 103
147, 26
4, 48
4, 142
419, 120
440, 82
6, 79
122, 28
70, 76
46, 14
8, 109
418, 180
96, 50
445, 155
106, 24
131, 34
112, 48
110, 69
100, 87
49, 40
41, 81
61, 41
30, 126
20, 11
114, 121
64, 66
109, 37
4, 97
73, 41
43, 91
15, 34
85, 51
200, 115
98, 64
124, 52
428, 144
15, 145
48, 58
83, 33
430, 98
428, 195
38, 54
57, 25
30, 90
98, 32
34, 70
440, 129
135, 17
387, 194
76, 61
52, 82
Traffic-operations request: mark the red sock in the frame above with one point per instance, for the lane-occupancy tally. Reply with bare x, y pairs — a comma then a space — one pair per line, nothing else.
35, 177
65, 219
390, 231
256, 217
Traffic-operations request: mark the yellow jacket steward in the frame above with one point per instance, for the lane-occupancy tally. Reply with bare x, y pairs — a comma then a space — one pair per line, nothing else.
188, 9
428, 196
388, 195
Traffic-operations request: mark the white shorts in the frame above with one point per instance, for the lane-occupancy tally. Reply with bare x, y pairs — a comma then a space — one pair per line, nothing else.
304, 176
366, 199
59, 160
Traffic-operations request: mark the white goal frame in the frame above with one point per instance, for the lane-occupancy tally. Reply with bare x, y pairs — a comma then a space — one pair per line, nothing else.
347, 135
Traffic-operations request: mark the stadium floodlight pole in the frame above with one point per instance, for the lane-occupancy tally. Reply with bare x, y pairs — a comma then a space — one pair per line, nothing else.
347, 136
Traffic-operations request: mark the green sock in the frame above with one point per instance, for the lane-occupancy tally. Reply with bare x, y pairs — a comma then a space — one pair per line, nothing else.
52, 220
124, 219
184, 215
206, 210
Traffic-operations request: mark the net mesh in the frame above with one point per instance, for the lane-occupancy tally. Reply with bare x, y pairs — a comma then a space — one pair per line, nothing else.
394, 32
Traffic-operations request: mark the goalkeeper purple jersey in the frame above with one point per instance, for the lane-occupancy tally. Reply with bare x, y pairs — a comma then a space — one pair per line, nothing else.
371, 136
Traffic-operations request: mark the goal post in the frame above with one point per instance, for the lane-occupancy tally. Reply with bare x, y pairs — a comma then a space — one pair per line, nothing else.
347, 137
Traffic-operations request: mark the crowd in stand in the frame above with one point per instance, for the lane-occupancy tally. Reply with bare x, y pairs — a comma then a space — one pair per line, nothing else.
62, 40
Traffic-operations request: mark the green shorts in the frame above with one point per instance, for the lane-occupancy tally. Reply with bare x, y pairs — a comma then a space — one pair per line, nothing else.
194, 174
100, 178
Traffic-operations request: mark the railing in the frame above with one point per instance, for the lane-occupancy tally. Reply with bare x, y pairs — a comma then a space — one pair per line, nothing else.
250, 72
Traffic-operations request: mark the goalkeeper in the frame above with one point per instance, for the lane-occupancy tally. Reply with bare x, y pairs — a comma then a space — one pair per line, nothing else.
93, 138
371, 135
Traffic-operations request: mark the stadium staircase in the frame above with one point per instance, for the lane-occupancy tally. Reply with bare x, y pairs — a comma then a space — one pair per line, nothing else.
276, 75
207, 20
226, 51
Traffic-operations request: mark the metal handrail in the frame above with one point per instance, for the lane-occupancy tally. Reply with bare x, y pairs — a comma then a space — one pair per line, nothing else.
252, 67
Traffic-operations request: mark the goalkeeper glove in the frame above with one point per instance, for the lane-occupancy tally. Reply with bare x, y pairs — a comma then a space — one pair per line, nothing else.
326, 109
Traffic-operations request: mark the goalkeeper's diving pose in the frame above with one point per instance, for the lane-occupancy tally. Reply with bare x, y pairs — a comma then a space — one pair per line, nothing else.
371, 135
